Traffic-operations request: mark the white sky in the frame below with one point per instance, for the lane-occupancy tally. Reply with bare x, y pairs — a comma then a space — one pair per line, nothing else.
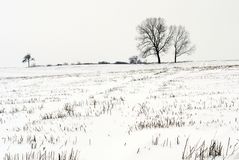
57, 31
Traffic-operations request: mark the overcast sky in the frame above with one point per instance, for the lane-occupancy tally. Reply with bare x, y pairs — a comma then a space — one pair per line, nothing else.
57, 31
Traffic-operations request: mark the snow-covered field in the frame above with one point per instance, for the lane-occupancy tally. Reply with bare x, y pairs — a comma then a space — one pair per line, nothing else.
121, 112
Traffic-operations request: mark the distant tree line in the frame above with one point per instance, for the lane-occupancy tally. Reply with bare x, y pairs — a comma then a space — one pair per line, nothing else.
155, 38
28, 58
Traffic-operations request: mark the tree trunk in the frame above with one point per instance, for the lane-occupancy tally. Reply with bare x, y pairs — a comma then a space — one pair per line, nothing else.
28, 62
175, 57
159, 61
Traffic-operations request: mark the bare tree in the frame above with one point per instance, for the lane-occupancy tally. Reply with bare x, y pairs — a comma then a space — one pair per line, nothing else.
181, 42
134, 60
154, 37
27, 58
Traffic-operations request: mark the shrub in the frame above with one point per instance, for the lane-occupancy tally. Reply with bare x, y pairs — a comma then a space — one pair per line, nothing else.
120, 62
103, 62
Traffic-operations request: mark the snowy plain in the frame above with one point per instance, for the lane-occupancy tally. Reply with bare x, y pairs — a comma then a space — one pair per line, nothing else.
121, 112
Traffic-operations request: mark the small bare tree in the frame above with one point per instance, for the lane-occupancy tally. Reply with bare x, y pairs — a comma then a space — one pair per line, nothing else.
27, 58
154, 37
181, 42
134, 60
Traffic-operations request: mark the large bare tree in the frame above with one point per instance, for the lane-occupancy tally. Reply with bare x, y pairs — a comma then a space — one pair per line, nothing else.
181, 42
154, 37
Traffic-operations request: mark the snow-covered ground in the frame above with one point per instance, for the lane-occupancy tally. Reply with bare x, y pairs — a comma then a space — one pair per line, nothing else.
121, 112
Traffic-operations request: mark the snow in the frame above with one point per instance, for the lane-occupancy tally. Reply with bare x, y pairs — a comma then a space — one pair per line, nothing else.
133, 112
